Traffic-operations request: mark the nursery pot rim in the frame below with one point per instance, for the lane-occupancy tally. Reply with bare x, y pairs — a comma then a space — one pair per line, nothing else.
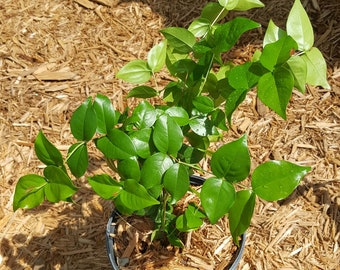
110, 229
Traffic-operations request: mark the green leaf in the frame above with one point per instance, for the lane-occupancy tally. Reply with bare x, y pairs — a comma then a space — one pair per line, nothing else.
141, 139
277, 53
156, 56
142, 91
179, 38
190, 220
129, 168
201, 125
219, 120
179, 114
299, 70
190, 154
242, 77
273, 33
78, 159
199, 27
176, 181
316, 68
46, 151
243, 5
228, 4
203, 104
217, 197
105, 186
299, 27
240, 213
60, 186
29, 191
276, 180
153, 169
116, 145
144, 115
213, 12
226, 35
83, 122
107, 117
135, 196
275, 89
232, 161
234, 97
167, 135
136, 71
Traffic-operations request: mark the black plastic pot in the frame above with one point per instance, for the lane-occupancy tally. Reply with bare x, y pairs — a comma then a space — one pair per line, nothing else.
110, 230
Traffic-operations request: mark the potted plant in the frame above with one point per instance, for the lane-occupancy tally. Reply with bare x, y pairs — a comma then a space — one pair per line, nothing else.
154, 148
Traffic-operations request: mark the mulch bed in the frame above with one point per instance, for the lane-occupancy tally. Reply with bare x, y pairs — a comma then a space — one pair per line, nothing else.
53, 54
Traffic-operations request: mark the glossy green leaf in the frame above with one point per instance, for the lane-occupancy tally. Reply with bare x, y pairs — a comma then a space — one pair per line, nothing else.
243, 5
227, 34
141, 140
179, 114
276, 180
201, 125
228, 4
242, 77
213, 12
192, 219
275, 89
83, 122
316, 68
142, 91
217, 197
136, 71
105, 186
156, 56
116, 145
219, 119
199, 27
135, 196
167, 135
176, 181
153, 169
60, 186
273, 33
240, 213
190, 154
203, 104
234, 98
78, 159
232, 161
129, 168
144, 115
107, 116
277, 53
29, 191
179, 38
299, 70
46, 151
300, 27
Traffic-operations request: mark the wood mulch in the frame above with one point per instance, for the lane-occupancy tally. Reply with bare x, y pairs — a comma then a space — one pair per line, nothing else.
55, 53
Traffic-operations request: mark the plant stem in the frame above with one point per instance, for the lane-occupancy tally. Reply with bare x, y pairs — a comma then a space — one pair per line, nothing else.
165, 197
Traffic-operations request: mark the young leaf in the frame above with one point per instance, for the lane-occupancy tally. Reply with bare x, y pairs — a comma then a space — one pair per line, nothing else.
240, 213
47, 152
190, 220
167, 135
105, 186
107, 117
136, 71
83, 122
142, 91
232, 161
176, 181
78, 159
199, 27
179, 38
228, 4
275, 89
60, 186
243, 5
179, 114
203, 104
135, 196
299, 27
116, 145
141, 140
316, 68
276, 180
29, 191
298, 68
156, 56
217, 197
129, 168
153, 169
273, 33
